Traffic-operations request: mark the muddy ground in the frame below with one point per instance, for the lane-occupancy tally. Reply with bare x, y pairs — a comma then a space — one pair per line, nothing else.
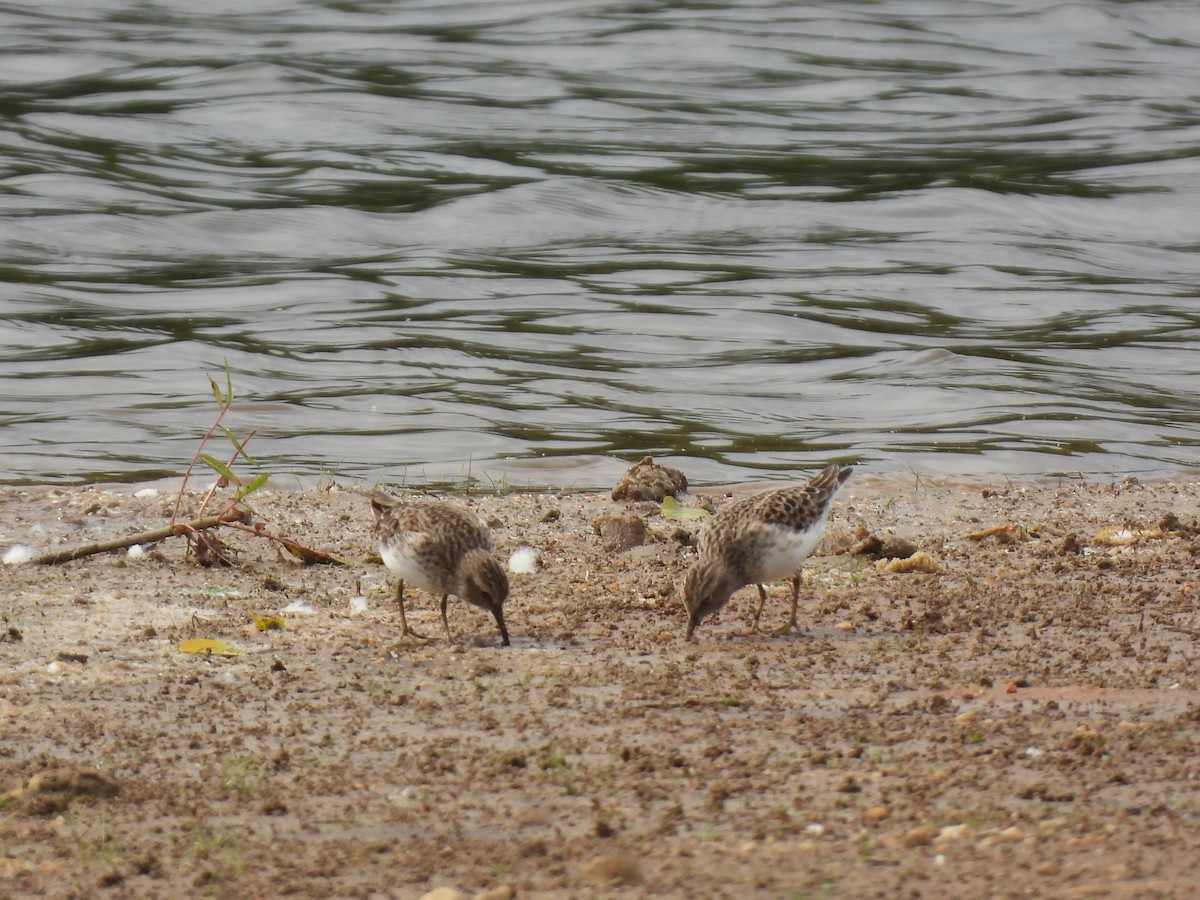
1025, 721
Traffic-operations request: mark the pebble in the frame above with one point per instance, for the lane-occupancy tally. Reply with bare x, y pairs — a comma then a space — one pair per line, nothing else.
876, 814
921, 836
612, 869
953, 833
1012, 834
444, 893
501, 893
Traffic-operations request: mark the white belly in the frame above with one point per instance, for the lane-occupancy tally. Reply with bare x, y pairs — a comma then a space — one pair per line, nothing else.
784, 550
401, 559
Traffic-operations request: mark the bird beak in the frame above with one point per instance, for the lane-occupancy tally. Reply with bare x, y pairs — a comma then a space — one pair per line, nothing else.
499, 614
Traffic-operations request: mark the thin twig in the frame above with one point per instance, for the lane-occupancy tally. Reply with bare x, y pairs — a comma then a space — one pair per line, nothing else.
228, 516
305, 554
225, 407
212, 489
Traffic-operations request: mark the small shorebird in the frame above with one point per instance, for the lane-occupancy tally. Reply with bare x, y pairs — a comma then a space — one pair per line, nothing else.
759, 539
441, 548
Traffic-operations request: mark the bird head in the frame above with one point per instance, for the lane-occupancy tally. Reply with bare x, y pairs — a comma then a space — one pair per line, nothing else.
707, 587
484, 584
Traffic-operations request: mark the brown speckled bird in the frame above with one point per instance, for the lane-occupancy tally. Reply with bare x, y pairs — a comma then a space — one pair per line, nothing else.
759, 539
441, 548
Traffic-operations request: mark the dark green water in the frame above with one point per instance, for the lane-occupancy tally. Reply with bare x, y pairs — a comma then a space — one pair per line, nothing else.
529, 241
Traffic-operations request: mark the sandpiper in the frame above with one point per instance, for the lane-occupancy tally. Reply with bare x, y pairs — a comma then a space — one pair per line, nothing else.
441, 548
759, 539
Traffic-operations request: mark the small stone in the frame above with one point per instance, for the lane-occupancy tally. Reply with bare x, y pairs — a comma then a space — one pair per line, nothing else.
952, 833
611, 870
1010, 688
875, 814
444, 893
844, 626
849, 785
1012, 834
921, 836
1069, 544
501, 893
898, 548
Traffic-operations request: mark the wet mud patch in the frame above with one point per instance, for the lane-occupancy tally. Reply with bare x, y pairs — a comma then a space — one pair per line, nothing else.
1026, 720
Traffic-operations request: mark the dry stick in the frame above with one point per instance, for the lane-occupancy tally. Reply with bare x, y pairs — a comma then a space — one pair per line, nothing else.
306, 554
227, 517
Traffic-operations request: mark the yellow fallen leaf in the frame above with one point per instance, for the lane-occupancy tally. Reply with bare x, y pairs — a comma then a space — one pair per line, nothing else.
209, 646
269, 623
672, 510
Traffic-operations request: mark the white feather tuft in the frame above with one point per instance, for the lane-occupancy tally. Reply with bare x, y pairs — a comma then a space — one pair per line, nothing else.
523, 561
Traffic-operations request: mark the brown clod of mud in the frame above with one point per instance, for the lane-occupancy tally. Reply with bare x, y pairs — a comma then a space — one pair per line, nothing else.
888, 546
647, 480
620, 533
51, 791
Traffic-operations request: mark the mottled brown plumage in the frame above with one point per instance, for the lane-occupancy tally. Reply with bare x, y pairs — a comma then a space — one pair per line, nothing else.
441, 548
759, 539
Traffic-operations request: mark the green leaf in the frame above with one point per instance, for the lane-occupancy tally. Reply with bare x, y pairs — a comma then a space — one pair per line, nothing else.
255, 483
239, 446
220, 468
216, 389
672, 510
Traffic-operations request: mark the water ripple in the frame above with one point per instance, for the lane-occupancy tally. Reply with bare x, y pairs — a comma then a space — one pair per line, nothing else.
529, 238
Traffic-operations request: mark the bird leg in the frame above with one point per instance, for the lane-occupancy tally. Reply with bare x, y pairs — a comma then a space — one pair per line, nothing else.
445, 623
791, 623
762, 601
405, 630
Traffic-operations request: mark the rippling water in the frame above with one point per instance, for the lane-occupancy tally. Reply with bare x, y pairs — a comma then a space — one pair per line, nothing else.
519, 240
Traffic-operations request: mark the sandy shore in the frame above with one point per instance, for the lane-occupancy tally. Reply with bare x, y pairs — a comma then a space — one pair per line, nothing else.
1016, 715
